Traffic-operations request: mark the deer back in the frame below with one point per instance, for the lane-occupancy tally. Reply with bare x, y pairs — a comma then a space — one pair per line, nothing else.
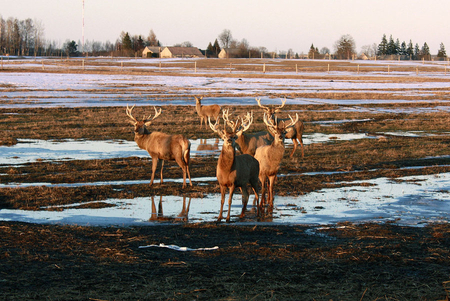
163, 146
248, 143
206, 111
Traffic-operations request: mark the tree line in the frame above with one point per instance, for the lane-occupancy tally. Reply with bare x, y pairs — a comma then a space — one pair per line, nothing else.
26, 38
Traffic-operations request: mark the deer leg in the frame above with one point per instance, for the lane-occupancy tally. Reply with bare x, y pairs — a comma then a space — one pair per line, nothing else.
222, 201
295, 142
301, 144
255, 190
271, 189
230, 198
263, 191
162, 166
154, 165
244, 201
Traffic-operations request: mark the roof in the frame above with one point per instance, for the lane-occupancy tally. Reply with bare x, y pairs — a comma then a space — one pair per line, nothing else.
185, 51
153, 49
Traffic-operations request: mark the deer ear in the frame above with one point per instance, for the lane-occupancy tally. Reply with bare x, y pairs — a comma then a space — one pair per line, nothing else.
132, 122
147, 123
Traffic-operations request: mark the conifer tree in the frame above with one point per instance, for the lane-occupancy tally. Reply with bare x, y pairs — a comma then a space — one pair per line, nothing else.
410, 49
216, 47
441, 51
382, 47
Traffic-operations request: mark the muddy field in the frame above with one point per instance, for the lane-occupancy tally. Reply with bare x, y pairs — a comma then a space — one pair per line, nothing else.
256, 258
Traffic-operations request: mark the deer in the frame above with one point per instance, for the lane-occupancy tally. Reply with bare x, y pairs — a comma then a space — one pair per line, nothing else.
270, 156
161, 146
235, 170
206, 111
295, 133
248, 143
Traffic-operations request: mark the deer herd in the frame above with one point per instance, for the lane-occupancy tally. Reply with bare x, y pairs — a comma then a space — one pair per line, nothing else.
257, 162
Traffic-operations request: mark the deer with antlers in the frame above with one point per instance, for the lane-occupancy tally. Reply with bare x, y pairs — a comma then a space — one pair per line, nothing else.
295, 132
270, 156
235, 171
206, 111
161, 146
248, 143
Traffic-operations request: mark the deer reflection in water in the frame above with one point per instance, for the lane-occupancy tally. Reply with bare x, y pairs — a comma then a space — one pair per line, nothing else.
204, 146
158, 215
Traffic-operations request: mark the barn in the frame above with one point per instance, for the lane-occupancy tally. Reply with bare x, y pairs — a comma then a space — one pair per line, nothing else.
150, 51
181, 52
227, 53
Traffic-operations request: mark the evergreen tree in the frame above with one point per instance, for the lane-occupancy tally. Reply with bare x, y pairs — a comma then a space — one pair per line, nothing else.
425, 49
382, 47
441, 51
397, 46
210, 50
126, 42
410, 49
71, 48
391, 47
313, 52
216, 48
403, 50
416, 51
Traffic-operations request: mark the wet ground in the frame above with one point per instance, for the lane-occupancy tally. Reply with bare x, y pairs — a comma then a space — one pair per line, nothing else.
363, 216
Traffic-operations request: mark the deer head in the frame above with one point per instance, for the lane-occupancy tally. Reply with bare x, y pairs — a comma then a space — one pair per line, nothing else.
278, 129
270, 110
238, 126
139, 125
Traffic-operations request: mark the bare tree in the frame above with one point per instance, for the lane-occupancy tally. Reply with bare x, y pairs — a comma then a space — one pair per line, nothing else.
345, 47
225, 38
151, 39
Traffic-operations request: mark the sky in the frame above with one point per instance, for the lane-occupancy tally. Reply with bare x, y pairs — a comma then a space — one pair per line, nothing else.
278, 25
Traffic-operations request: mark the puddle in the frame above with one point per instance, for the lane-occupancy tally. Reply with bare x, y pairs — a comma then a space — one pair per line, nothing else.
412, 201
31, 150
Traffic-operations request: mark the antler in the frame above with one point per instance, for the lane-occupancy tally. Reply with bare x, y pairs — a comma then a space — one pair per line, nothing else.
157, 113
129, 113
237, 127
258, 100
283, 102
293, 122
269, 122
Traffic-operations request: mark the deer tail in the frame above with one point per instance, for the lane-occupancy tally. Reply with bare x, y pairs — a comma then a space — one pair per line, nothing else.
187, 151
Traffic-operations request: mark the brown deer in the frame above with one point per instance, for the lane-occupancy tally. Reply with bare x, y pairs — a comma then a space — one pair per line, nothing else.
206, 112
295, 133
270, 156
161, 146
248, 143
235, 171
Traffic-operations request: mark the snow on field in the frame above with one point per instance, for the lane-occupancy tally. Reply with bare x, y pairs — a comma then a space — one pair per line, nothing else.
76, 89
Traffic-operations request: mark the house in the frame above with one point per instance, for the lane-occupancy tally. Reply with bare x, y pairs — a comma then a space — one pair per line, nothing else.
180, 52
227, 53
150, 51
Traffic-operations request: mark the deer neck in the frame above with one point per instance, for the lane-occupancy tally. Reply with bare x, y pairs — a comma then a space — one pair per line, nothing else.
141, 138
226, 158
198, 107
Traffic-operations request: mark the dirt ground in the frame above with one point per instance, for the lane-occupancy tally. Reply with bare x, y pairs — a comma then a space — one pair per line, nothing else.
300, 262
343, 262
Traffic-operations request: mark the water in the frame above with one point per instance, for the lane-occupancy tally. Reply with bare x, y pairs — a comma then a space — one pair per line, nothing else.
412, 201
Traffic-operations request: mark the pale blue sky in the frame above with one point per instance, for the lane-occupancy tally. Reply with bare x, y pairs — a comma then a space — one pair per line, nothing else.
274, 24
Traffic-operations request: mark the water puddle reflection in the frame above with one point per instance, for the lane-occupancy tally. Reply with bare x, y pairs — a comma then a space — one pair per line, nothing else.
31, 150
413, 201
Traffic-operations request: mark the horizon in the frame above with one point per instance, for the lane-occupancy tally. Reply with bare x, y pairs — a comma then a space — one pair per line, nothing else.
277, 26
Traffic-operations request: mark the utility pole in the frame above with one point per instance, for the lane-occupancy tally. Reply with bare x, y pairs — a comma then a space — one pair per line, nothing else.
82, 32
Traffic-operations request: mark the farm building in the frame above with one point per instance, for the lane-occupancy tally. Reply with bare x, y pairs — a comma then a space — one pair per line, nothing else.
227, 53
151, 51
180, 52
